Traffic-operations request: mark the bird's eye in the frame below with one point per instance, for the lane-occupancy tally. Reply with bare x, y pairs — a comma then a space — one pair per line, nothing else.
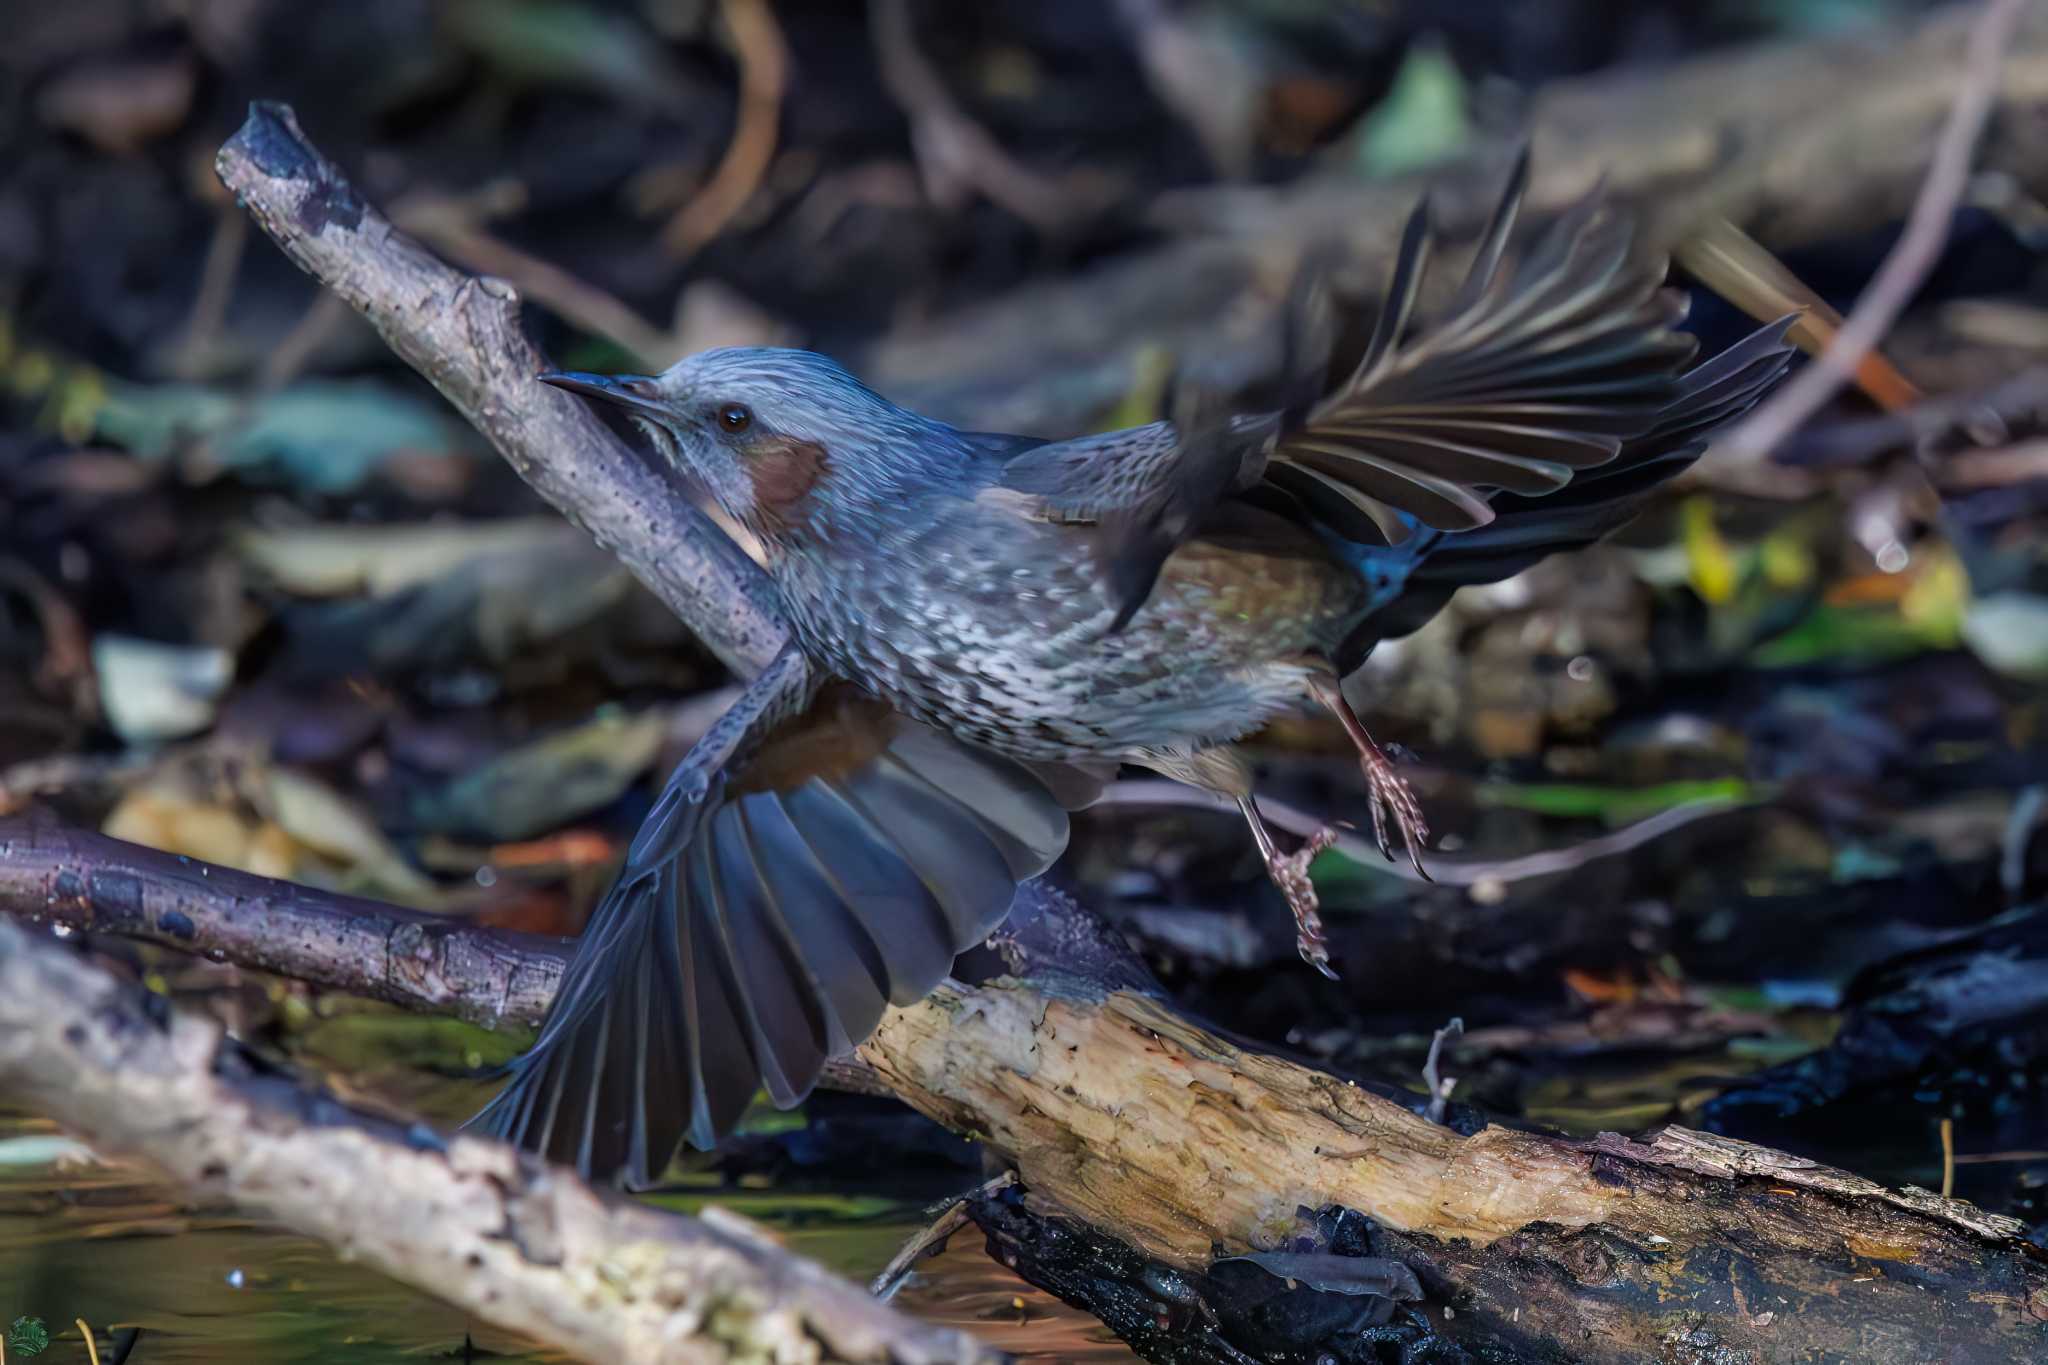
735, 417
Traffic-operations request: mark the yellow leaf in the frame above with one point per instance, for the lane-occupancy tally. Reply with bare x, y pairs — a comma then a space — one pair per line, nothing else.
1710, 566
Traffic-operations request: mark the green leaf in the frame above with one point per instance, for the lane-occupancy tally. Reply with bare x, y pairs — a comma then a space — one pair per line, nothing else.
544, 785
321, 436
28, 1336
1614, 804
558, 42
1423, 119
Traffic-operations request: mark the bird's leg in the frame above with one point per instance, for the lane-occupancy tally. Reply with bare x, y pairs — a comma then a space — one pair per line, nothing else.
1289, 872
1386, 789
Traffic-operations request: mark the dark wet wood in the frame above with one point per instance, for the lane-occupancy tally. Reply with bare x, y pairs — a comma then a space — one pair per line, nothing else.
85, 881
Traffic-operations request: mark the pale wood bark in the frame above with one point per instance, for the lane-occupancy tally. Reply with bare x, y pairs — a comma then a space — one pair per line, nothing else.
1681, 1246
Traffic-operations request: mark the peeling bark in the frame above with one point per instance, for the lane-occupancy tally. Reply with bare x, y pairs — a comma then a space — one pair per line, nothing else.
1683, 1246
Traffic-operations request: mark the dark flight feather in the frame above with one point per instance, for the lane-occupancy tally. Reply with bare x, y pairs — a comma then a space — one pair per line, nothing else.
762, 929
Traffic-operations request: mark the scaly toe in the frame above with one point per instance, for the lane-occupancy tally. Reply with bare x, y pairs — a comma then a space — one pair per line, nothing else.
1290, 873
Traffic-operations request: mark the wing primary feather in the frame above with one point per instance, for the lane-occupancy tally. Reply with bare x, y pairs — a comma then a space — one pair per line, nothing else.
775, 878
880, 890
1493, 242
732, 1073
599, 1058
1404, 287
1354, 516
845, 972
1442, 502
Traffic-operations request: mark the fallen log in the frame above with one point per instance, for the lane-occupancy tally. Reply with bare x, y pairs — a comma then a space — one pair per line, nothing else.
1162, 1134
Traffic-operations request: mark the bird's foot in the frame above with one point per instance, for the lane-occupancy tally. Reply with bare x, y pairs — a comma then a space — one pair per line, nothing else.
1289, 872
1393, 799
1388, 791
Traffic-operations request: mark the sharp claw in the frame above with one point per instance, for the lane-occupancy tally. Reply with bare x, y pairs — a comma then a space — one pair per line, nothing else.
1415, 861
1379, 825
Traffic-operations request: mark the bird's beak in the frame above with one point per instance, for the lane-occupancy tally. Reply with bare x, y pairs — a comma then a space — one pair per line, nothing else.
626, 390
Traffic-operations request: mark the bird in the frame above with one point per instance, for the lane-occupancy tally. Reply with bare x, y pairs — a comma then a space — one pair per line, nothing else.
1007, 620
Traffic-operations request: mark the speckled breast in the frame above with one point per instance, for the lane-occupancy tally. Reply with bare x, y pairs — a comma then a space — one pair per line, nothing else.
997, 631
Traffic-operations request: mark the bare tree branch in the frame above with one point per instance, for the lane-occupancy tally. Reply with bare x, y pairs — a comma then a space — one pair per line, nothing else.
92, 883
1906, 268
522, 1245
51, 873
462, 332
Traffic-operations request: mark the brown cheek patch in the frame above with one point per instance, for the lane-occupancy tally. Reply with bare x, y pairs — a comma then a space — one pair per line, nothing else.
783, 471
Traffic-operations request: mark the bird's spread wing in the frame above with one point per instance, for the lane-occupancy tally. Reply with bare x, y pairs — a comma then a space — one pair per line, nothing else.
799, 873
1538, 368
1543, 365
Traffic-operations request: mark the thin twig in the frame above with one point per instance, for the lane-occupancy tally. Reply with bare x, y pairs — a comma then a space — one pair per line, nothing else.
954, 153
764, 77
1904, 270
2019, 832
322, 318
1440, 1086
1948, 1158
1742, 270
951, 1217
454, 225
216, 290
1445, 869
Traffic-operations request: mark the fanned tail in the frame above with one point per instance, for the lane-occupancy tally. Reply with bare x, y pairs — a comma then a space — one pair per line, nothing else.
1413, 579
1541, 369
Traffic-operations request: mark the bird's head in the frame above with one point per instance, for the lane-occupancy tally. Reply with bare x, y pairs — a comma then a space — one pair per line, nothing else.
787, 441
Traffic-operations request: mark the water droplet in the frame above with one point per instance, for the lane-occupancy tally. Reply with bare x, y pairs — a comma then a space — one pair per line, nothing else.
486, 876
1892, 557
1580, 669
235, 1278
